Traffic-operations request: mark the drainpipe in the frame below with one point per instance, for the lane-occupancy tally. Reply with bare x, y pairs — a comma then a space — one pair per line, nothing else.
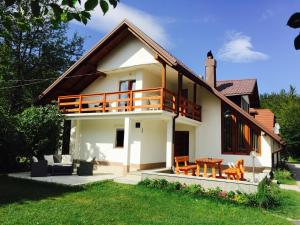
179, 88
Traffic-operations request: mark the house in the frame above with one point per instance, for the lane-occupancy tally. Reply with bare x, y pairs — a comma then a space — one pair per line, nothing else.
134, 105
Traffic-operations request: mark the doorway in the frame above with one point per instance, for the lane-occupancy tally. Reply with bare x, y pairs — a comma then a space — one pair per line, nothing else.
181, 143
126, 85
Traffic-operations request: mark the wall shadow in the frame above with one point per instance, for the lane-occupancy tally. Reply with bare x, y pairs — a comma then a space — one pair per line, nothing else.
13, 190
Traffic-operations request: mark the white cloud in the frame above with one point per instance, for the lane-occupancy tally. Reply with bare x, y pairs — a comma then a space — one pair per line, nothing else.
239, 49
148, 23
267, 14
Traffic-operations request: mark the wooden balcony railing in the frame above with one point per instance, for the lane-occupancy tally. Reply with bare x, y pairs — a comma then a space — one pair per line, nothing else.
126, 101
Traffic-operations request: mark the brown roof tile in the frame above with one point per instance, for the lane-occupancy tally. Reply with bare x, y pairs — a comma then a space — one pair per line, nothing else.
265, 117
236, 87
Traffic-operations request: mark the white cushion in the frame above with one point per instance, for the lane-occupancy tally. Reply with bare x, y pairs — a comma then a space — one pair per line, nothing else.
49, 159
34, 159
66, 159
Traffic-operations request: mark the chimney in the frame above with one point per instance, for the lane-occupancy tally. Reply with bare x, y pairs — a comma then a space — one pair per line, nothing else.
210, 70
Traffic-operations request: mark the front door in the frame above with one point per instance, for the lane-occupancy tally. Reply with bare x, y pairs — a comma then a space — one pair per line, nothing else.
181, 143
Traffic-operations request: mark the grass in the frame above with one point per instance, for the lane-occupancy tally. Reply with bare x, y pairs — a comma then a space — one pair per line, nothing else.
284, 176
292, 159
28, 202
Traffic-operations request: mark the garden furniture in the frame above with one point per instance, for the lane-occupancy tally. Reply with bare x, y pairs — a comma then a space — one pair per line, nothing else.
186, 168
237, 172
209, 162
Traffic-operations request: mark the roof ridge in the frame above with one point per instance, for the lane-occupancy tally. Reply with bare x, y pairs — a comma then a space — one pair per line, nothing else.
238, 79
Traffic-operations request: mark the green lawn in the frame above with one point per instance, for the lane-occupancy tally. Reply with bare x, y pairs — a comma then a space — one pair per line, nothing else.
28, 202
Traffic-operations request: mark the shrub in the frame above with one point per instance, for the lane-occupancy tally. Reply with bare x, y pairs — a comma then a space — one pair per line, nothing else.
231, 195
283, 175
42, 129
194, 189
267, 194
174, 186
214, 192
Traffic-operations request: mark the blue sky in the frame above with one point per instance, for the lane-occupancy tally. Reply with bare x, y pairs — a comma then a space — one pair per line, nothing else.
248, 39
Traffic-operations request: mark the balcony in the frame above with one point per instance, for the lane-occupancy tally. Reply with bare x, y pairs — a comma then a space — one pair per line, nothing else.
127, 101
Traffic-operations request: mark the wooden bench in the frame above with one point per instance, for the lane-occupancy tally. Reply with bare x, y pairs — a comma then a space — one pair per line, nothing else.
237, 172
186, 168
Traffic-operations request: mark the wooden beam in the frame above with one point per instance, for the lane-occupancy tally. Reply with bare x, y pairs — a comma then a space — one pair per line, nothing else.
163, 76
179, 89
195, 93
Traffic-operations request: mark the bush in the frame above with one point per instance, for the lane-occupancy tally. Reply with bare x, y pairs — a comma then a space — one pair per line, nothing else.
266, 196
283, 176
42, 129
194, 189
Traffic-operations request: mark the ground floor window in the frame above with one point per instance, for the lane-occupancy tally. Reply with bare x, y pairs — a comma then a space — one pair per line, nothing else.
119, 138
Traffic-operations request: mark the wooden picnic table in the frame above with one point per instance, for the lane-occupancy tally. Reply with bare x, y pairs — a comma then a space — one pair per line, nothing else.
212, 162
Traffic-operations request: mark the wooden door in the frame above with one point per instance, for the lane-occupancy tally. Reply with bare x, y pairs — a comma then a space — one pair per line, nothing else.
181, 143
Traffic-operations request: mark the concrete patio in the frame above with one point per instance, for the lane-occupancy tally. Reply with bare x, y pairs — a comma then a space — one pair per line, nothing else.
102, 173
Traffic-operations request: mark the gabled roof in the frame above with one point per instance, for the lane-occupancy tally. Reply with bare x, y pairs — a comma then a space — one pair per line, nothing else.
236, 87
264, 116
88, 64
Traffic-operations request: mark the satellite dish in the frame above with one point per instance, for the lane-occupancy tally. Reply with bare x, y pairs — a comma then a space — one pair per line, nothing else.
276, 128
253, 154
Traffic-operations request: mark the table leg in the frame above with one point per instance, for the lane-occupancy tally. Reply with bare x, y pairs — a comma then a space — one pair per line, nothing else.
198, 169
213, 168
205, 170
220, 170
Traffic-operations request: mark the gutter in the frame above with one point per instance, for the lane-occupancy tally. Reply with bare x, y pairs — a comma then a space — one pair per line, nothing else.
179, 88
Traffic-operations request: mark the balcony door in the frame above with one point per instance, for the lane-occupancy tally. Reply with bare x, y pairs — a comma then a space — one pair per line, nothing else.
126, 85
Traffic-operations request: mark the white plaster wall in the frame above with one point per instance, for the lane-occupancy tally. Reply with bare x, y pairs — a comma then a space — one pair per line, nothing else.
191, 130
112, 81
153, 142
209, 139
97, 139
130, 52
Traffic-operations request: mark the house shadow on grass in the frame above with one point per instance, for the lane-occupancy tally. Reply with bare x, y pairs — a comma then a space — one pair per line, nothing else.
13, 190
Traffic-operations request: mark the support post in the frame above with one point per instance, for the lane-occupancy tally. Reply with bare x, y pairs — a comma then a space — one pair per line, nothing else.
169, 145
195, 93
126, 158
163, 75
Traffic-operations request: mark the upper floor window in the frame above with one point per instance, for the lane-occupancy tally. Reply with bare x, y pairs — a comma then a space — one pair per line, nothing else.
244, 104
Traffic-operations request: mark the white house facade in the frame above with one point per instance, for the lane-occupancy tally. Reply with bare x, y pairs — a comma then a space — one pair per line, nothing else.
132, 104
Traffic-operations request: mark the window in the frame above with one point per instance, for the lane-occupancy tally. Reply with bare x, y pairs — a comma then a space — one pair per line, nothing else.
242, 136
228, 122
254, 136
238, 136
120, 138
244, 104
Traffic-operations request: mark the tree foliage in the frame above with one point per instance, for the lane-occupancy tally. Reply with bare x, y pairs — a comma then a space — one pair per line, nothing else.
286, 107
58, 11
39, 52
32, 55
41, 128
294, 22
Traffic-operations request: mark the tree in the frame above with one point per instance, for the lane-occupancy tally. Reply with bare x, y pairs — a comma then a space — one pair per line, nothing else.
294, 22
286, 107
58, 11
40, 52
42, 129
